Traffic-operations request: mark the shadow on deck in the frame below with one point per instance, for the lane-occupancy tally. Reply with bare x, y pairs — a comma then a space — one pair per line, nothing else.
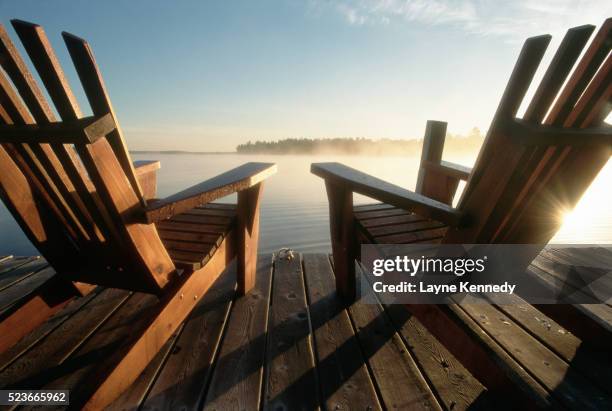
291, 344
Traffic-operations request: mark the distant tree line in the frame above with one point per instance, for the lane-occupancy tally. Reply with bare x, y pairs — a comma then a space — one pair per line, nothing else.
456, 143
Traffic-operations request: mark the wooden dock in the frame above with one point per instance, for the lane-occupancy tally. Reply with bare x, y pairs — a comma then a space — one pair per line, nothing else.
290, 344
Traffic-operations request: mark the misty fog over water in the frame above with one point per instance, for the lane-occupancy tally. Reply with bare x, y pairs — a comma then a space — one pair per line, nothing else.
294, 211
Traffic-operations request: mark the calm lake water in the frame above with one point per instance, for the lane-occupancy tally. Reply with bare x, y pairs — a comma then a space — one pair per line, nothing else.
294, 209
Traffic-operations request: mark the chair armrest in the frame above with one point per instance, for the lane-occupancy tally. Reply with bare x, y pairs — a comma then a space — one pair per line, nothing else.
380, 190
146, 174
237, 179
449, 169
146, 166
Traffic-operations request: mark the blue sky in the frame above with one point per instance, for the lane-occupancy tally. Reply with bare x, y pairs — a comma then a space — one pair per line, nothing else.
206, 76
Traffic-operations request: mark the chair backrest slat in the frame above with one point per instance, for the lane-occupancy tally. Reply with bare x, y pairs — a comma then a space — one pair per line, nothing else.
571, 173
534, 160
47, 65
534, 220
489, 177
581, 76
40, 221
94, 194
100, 103
39, 158
80, 189
516, 192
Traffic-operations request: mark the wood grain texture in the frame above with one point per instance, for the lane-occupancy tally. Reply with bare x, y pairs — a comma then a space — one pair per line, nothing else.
38, 334
99, 100
315, 350
85, 130
19, 269
235, 180
45, 296
42, 362
563, 382
449, 379
247, 235
186, 374
132, 398
364, 184
80, 368
91, 208
238, 376
146, 173
481, 355
435, 180
389, 212
595, 363
43, 58
149, 336
451, 382
343, 239
23, 196
399, 380
344, 379
117, 198
12, 295
291, 378
44, 161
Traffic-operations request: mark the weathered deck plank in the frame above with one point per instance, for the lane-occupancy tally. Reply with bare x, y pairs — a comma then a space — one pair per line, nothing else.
81, 370
291, 380
594, 362
399, 380
131, 399
24, 286
182, 382
43, 360
39, 333
562, 381
344, 378
292, 344
19, 269
238, 376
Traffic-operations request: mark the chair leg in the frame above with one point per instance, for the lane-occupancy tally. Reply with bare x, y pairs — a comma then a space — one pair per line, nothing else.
248, 237
343, 239
120, 370
34, 309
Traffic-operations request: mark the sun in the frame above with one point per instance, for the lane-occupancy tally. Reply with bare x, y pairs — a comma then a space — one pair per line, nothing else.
590, 222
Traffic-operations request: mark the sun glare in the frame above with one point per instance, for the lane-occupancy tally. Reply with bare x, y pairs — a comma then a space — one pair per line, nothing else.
590, 222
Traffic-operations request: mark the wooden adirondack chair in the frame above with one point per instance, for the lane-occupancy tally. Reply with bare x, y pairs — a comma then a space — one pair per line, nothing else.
528, 173
73, 189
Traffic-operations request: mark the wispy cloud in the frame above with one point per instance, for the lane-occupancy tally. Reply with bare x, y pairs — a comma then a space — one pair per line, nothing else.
509, 19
